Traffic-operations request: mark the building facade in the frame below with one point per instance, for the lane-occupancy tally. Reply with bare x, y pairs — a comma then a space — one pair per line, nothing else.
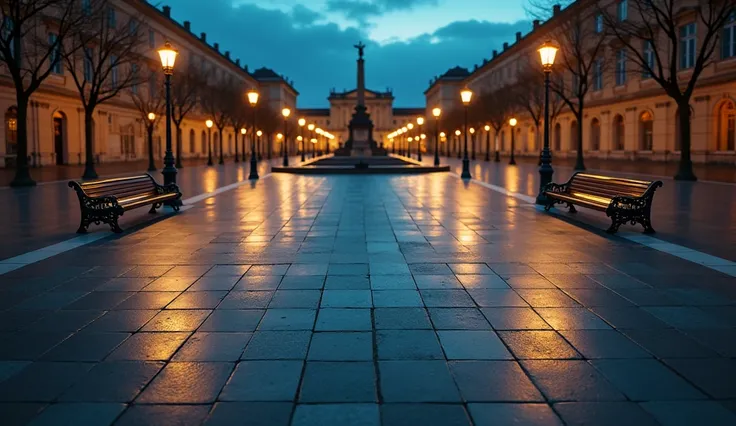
627, 115
56, 117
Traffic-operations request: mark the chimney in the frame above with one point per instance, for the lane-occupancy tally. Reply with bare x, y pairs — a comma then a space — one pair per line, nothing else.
495, 53
485, 61
227, 54
555, 9
216, 46
188, 26
237, 62
167, 11
203, 37
505, 46
535, 23
518, 36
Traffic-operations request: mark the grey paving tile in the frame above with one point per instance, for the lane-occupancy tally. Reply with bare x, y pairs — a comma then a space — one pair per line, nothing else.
712, 375
173, 284
472, 345
721, 341
514, 319
458, 319
197, 300
487, 281
347, 282
267, 270
605, 413
101, 300
686, 317
187, 383
257, 413
307, 269
408, 344
272, 345
401, 318
424, 414
516, 414
227, 270
385, 268
417, 381
496, 298
288, 319
447, 299
157, 346
213, 283
302, 282
263, 381
10, 368
470, 269
258, 282
338, 382
115, 381
346, 299
121, 321
669, 343
64, 321
435, 282
341, 346
337, 414
124, 284
188, 271
51, 300
572, 319
344, 320
629, 318
177, 320
529, 281
164, 415
246, 300
646, 380
570, 380
86, 346
683, 413
392, 282
360, 269
538, 344
397, 299
604, 344
42, 381
308, 299
207, 346
29, 345
231, 320
19, 413
547, 298
92, 414
511, 384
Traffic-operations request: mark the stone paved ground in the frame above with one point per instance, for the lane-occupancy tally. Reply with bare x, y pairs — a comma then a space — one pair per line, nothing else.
365, 301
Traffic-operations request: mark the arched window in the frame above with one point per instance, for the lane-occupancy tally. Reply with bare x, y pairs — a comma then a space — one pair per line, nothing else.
532, 139
557, 138
230, 144
574, 135
192, 142
60, 137
646, 131
726, 136
502, 141
618, 133
204, 142
595, 135
215, 143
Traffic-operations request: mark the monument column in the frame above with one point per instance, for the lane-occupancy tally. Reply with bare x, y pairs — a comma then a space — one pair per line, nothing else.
361, 77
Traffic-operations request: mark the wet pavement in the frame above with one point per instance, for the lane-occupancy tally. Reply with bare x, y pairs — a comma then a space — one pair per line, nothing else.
371, 300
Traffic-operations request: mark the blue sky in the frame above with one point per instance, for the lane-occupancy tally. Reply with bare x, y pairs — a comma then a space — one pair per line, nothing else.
310, 41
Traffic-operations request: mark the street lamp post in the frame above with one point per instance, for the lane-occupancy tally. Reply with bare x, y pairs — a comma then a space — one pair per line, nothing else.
301, 123
310, 127
472, 136
149, 127
547, 53
466, 95
243, 131
422, 137
209, 124
512, 123
253, 100
456, 145
168, 58
409, 126
487, 128
436, 112
420, 122
286, 112
443, 136
220, 137
314, 147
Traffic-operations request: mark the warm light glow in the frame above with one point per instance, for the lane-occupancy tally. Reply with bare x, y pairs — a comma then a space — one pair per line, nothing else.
168, 58
404, 129
286, 112
487, 128
420, 120
512, 122
314, 140
279, 136
302, 122
457, 132
151, 116
310, 127
410, 126
423, 136
466, 95
299, 138
436, 112
259, 133
411, 139
209, 124
252, 96
243, 131
472, 130
547, 53
319, 131
442, 134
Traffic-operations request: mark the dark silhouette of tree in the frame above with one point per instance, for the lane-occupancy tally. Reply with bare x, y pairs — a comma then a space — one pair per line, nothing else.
185, 96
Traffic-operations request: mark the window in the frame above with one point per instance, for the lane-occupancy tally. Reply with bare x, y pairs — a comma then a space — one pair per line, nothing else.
87, 7
649, 58
598, 74
133, 27
55, 57
88, 53
599, 23
646, 131
620, 67
192, 141
623, 10
151, 38
726, 127
114, 71
728, 38
618, 133
203, 142
134, 78
595, 135
111, 18
7, 29
574, 135
687, 46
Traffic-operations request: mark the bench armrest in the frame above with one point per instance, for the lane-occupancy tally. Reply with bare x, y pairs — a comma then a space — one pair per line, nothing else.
623, 202
556, 188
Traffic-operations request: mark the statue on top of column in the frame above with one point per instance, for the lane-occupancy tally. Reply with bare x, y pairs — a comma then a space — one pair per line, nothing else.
360, 46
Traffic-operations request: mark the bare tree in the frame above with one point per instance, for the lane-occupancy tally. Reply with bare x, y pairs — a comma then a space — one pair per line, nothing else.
650, 33
237, 113
580, 66
148, 102
106, 61
33, 34
185, 96
214, 102
542, 9
498, 106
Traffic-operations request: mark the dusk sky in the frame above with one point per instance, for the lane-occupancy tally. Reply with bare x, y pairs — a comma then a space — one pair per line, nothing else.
310, 41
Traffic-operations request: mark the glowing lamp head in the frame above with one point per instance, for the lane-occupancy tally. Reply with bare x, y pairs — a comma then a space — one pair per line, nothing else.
457, 132
547, 53
411, 139
410, 126
286, 112
209, 124
243, 131
302, 122
466, 95
279, 136
319, 131
487, 128
404, 129
512, 122
423, 136
420, 120
314, 140
259, 133
299, 138
168, 58
436, 112
472, 130
310, 127
151, 116
253, 96
442, 134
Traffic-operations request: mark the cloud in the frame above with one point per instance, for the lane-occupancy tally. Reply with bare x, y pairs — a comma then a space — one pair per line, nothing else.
361, 10
319, 55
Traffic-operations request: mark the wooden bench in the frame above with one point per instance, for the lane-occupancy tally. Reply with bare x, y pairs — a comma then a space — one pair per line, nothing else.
104, 201
623, 200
